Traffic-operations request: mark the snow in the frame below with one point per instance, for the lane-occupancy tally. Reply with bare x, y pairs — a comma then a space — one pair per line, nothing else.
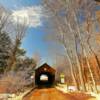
64, 89
72, 88
95, 95
8, 96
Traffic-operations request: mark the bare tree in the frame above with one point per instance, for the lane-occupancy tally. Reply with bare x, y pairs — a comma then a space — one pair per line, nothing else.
17, 36
66, 16
63, 32
4, 18
37, 58
79, 32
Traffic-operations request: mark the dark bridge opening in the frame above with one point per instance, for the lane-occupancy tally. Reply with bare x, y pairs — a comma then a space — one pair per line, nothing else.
45, 76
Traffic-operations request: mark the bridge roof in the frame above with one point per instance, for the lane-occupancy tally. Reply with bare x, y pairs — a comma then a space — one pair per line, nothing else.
46, 68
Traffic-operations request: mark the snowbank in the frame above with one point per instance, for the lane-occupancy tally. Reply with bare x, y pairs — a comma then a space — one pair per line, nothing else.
7, 96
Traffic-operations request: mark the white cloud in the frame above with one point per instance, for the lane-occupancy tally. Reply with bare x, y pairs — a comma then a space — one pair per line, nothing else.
32, 15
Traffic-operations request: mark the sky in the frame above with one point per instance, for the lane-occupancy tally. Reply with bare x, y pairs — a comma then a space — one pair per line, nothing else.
34, 40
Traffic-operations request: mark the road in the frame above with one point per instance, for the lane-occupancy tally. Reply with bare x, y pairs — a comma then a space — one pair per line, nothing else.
54, 94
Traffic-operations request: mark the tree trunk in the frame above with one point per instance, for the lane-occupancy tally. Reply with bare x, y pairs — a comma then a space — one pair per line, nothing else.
95, 56
91, 74
80, 72
12, 59
71, 69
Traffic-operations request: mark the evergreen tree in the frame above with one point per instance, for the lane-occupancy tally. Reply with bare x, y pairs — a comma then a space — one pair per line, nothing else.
5, 43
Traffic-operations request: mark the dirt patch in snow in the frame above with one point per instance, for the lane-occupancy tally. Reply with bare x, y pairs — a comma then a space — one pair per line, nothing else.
3, 89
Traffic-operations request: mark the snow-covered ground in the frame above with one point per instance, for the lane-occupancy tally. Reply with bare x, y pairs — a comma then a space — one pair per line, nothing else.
61, 87
64, 89
95, 95
8, 96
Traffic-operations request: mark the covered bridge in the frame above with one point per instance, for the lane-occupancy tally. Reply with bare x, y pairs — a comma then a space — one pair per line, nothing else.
45, 76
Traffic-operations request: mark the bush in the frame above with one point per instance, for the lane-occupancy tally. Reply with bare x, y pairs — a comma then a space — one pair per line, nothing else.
17, 81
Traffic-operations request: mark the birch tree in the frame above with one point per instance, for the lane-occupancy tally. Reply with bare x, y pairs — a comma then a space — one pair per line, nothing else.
62, 36
66, 17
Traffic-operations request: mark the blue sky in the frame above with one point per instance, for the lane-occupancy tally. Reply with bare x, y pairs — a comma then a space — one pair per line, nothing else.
13, 4
34, 40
